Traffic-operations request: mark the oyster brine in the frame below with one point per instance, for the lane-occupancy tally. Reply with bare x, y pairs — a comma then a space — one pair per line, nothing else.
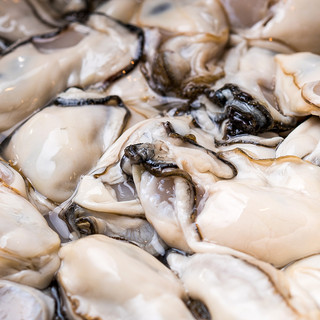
159, 160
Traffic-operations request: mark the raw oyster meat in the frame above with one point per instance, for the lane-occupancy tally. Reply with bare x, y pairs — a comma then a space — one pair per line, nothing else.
223, 280
297, 83
28, 247
22, 302
275, 199
183, 52
289, 22
65, 140
160, 159
60, 60
117, 280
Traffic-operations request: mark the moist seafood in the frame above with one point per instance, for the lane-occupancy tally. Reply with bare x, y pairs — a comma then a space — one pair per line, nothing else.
62, 59
159, 159
29, 248
78, 127
23, 302
145, 290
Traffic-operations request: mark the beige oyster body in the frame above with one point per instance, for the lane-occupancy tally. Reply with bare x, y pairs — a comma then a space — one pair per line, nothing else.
117, 280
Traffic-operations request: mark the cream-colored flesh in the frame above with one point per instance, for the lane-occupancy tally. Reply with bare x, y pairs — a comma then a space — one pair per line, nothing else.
34, 73
117, 280
265, 210
28, 247
230, 287
63, 144
21, 302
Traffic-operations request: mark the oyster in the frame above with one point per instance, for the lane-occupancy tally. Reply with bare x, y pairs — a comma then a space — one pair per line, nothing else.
79, 126
297, 83
287, 22
131, 229
219, 160
12, 179
220, 281
18, 21
256, 80
190, 37
303, 142
275, 199
143, 102
65, 60
21, 302
104, 287
114, 8
28, 247
306, 273
246, 14
145, 150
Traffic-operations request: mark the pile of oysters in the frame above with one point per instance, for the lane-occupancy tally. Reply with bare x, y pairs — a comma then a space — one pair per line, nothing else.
159, 159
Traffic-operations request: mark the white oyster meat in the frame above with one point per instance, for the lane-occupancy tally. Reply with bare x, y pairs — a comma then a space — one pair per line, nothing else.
253, 292
23, 302
28, 247
159, 159
116, 280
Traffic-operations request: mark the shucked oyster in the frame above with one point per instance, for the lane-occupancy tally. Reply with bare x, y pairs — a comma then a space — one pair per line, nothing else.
297, 83
184, 40
116, 280
294, 23
306, 273
245, 14
55, 62
275, 199
83, 222
114, 8
232, 288
65, 140
168, 165
196, 182
149, 145
257, 80
303, 142
12, 179
28, 247
18, 21
21, 302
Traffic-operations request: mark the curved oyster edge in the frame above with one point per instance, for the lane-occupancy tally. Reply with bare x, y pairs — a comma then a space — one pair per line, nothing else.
78, 126
105, 287
23, 302
29, 247
220, 280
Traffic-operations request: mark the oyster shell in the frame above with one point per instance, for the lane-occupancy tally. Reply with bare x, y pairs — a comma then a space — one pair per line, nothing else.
104, 287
